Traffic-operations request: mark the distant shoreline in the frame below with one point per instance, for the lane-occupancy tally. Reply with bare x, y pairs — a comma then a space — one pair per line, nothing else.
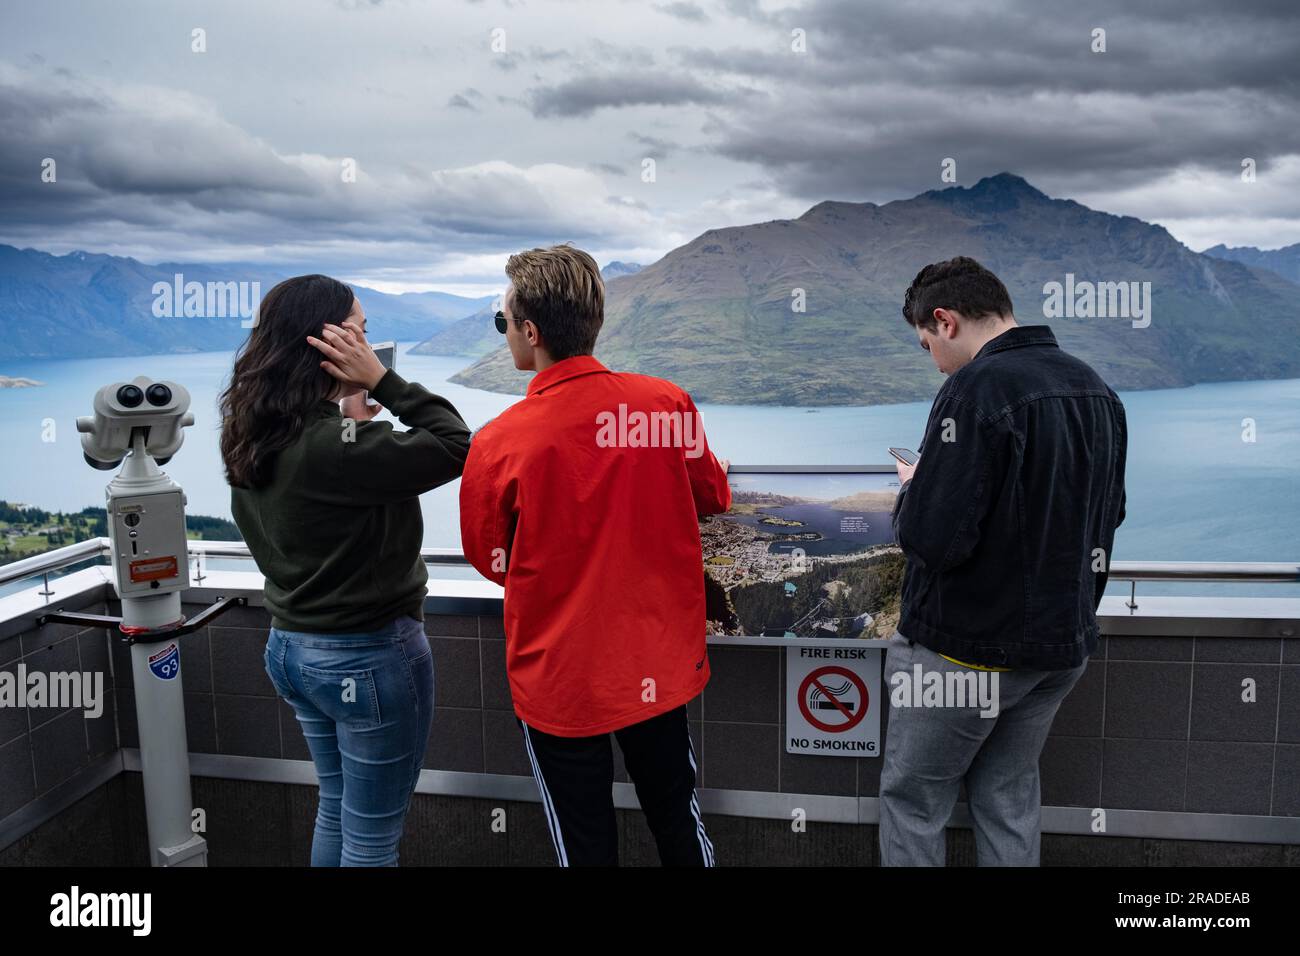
751, 405
7, 382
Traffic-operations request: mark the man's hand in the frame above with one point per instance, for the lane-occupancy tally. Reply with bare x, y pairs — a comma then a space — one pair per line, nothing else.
347, 356
726, 465
905, 472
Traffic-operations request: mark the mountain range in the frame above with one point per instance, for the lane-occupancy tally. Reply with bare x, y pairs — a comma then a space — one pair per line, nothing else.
1285, 261
802, 311
720, 315
84, 305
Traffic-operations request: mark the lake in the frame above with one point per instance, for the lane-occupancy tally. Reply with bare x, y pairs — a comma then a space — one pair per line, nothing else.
1196, 490
819, 518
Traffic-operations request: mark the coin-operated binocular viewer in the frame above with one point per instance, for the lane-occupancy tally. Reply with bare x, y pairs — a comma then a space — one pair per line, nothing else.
141, 422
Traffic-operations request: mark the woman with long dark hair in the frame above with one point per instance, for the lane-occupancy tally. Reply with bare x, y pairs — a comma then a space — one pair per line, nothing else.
327, 500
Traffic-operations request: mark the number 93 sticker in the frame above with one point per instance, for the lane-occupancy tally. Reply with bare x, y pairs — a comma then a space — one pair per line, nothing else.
166, 664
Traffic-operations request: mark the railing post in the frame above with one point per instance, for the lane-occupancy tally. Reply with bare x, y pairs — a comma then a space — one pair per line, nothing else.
45, 591
1132, 596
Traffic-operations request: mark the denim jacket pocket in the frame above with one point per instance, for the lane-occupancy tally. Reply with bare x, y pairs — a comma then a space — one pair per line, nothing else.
347, 696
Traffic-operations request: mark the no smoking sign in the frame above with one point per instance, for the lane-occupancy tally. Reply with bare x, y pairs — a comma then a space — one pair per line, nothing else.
831, 706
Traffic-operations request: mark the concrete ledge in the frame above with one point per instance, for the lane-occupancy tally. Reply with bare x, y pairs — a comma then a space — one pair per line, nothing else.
1078, 821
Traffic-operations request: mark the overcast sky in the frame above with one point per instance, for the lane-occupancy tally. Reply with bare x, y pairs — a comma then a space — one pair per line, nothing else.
465, 154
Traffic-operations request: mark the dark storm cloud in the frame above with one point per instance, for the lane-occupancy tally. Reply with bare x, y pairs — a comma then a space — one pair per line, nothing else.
618, 54
465, 151
684, 10
583, 96
101, 164
508, 61
654, 146
884, 93
1160, 47
143, 162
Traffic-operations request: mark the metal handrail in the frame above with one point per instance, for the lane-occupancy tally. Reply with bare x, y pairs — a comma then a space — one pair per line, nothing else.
1257, 572
238, 549
59, 558
54, 560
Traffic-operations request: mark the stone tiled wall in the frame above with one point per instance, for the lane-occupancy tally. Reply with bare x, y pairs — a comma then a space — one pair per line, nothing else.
42, 748
1154, 724
1159, 723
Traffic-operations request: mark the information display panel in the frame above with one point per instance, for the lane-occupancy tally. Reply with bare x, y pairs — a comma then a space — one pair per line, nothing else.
804, 553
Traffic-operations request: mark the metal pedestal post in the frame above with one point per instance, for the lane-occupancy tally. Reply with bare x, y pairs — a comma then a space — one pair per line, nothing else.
164, 748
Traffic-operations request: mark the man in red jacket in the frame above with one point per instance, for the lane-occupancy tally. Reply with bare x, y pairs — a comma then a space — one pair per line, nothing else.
583, 501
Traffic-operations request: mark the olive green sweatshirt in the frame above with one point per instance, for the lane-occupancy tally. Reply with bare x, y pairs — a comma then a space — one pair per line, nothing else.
337, 531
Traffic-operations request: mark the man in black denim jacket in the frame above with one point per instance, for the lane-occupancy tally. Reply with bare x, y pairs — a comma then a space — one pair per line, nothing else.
1007, 521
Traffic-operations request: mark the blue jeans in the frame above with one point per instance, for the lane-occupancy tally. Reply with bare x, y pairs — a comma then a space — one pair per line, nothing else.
365, 703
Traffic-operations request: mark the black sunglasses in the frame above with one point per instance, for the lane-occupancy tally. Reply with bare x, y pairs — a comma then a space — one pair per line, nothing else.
500, 318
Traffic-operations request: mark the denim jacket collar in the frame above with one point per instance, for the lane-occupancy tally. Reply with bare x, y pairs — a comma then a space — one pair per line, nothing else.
1017, 337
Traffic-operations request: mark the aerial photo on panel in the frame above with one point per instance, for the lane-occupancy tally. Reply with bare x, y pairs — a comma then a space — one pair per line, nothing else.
804, 555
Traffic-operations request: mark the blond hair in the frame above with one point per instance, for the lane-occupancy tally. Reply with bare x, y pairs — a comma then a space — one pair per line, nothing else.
559, 289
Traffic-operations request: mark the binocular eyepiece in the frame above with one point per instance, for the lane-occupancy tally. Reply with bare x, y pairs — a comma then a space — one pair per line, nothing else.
158, 395
160, 408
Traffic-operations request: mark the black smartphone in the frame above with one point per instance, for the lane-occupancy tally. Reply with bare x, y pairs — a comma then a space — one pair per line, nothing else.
386, 352
904, 455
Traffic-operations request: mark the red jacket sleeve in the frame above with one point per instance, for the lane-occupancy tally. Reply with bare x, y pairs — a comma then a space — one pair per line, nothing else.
709, 484
487, 510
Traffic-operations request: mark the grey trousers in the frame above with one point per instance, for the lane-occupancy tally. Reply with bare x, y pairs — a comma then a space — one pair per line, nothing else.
930, 750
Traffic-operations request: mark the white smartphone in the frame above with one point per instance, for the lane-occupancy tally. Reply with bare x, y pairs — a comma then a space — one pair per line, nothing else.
387, 355
906, 456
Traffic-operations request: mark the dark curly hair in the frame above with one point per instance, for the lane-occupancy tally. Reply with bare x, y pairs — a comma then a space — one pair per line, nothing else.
277, 377
960, 284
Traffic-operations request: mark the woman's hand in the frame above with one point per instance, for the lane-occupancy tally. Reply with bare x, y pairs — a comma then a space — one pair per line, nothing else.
347, 356
355, 407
